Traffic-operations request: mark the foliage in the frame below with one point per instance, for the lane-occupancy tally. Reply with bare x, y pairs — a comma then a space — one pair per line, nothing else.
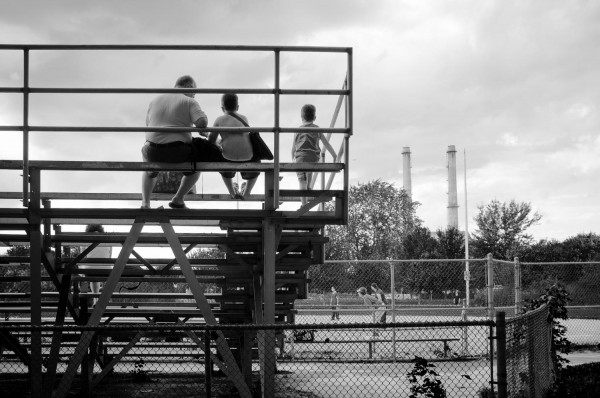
580, 381
20, 270
424, 380
139, 373
207, 253
556, 297
501, 228
379, 217
419, 244
450, 243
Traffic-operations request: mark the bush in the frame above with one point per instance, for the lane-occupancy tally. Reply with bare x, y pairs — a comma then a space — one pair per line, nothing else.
424, 380
557, 298
580, 381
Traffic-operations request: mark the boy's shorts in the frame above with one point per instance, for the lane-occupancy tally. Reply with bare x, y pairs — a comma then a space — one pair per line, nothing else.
246, 175
302, 175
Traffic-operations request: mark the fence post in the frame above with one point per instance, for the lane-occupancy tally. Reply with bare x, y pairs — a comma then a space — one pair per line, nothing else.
489, 267
393, 294
517, 286
465, 329
501, 353
207, 364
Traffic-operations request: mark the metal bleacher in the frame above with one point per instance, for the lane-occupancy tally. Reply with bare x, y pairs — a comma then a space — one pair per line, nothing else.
265, 251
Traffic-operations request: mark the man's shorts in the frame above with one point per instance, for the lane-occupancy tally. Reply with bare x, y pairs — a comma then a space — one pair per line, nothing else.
173, 152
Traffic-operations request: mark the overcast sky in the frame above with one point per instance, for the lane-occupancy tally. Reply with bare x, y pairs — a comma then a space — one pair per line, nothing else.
512, 83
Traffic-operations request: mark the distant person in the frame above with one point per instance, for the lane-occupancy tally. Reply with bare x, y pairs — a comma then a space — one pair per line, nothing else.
99, 252
457, 297
306, 147
379, 315
377, 292
172, 110
236, 146
334, 302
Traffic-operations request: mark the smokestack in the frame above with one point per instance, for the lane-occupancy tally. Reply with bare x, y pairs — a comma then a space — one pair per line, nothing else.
452, 193
406, 171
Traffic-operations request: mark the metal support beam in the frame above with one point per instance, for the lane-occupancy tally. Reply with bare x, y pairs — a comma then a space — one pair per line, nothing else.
266, 338
94, 319
229, 366
35, 279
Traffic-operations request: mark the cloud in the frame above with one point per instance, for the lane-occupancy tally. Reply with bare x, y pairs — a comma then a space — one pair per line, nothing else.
513, 83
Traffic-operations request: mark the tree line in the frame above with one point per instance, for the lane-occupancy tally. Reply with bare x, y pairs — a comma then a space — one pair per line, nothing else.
383, 225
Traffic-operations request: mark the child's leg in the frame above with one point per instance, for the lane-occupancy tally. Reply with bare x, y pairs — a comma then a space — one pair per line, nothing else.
303, 184
249, 185
229, 184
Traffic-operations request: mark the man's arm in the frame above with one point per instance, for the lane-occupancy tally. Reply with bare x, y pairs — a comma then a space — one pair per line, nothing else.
213, 135
201, 123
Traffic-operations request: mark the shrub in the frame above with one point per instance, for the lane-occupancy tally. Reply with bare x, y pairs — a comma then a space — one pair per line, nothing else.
580, 381
424, 381
557, 298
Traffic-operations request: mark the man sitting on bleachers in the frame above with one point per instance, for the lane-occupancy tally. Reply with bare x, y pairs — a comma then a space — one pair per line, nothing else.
172, 110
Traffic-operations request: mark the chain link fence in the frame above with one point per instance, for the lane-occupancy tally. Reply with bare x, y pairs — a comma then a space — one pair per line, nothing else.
581, 281
310, 361
436, 290
331, 350
530, 372
423, 290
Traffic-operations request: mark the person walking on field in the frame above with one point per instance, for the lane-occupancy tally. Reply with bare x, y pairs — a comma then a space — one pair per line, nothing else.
377, 292
335, 301
380, 295
172, 110
373, 302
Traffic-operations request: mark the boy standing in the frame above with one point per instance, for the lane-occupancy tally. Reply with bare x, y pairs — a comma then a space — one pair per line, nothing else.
306, 146
334, 302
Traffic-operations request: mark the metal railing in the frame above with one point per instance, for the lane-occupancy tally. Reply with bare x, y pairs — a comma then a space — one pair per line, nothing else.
26, 90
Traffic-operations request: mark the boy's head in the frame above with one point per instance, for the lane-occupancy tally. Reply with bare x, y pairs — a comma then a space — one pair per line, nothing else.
229, 102
308, 113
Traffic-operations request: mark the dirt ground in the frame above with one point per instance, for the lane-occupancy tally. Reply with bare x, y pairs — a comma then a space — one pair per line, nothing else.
293, 379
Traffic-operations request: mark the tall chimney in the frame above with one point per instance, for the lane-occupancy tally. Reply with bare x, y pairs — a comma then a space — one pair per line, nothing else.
406, 171
452, 194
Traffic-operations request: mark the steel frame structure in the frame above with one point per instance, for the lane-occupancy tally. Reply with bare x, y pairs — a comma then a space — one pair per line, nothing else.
36, 216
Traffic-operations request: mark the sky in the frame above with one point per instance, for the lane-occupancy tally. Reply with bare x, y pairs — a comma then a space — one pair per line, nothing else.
513, 85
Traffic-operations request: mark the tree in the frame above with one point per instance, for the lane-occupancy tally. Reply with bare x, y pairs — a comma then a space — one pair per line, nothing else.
501, 228
450, 243
379, 217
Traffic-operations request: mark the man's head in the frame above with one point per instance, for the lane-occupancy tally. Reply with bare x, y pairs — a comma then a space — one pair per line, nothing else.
186, 81
94, 228
361, 291
374, 286
229, 102
308, 113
